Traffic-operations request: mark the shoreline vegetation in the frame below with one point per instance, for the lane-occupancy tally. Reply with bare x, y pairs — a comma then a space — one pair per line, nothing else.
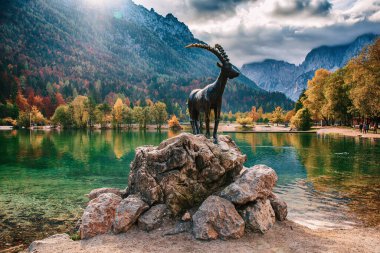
236, 128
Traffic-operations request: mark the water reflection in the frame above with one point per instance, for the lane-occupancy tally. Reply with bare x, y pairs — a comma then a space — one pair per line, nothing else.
328, 181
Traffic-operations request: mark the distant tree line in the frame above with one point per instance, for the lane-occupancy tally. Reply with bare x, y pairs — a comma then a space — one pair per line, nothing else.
348, 94
82, 113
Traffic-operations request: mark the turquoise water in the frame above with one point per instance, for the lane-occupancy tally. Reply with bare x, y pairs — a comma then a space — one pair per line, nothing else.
327, 181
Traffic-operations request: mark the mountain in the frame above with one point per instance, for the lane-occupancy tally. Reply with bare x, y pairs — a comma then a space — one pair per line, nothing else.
70, 47
274, 75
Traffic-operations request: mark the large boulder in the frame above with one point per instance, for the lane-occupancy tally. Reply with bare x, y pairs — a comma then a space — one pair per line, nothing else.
99, 215
127, 213
258, 216
153, 218
184, 170
279, 206
217, 218
256, 182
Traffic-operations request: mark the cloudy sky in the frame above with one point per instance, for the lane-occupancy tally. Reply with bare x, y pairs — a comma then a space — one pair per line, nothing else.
253, 30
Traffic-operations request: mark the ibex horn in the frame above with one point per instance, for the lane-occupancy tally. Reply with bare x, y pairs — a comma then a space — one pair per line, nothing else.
212, 50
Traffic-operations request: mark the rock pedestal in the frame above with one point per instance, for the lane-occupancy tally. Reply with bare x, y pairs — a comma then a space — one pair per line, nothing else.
200, 184
183, 171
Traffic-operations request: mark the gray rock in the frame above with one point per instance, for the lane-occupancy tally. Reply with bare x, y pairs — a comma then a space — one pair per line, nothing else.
180, 227
255, 183
217, 218
184, 170
279, 206
99, 215
258, 216
153, 218
96, 192
127, 213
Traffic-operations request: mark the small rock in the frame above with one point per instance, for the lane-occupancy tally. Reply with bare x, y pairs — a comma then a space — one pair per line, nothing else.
153, 218
217, 218
186, 216
257, 182
258, 216
96, 192
180, 227
279, 206
127, 213
99, 215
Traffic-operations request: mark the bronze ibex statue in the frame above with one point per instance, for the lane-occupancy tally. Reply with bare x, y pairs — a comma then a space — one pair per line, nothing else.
210, 97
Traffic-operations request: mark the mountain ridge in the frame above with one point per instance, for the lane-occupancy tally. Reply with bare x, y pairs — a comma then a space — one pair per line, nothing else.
291, 79
71, 48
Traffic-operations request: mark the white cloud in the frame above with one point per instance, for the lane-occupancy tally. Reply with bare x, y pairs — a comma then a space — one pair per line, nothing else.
252, 30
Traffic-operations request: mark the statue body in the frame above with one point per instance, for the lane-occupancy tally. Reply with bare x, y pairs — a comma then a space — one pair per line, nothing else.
210, 97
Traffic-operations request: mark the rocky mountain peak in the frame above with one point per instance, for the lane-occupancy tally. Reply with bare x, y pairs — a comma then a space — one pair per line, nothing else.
278, 75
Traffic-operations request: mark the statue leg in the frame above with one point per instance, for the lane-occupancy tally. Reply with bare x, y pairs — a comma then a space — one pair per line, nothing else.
200, 124
207, 119
196, 123
192, 126
215, 133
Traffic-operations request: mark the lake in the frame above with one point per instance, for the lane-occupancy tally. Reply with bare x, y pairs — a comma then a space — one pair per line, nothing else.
327, 181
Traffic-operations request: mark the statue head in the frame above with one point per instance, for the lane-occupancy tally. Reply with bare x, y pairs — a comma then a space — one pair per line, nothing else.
228, 69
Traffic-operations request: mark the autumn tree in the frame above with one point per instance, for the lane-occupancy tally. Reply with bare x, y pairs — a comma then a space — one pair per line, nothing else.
336, 93
117, 112
138, 115
173, 123
79, 111
289, 115
302, 120
103, 114
146, 117
36, 116
23, 119
277, 115
315, 97
62, 116
364, 78
254, 114
159, 114
244, 121
128, 116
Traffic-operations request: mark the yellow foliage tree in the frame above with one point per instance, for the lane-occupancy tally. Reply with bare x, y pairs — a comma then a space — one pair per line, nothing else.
244, 121
315, 99
364, 76
277, 115
117, 112
173, 123
254, 114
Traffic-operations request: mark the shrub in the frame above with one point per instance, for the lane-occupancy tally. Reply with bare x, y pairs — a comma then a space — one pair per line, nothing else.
245, 121
302, 120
